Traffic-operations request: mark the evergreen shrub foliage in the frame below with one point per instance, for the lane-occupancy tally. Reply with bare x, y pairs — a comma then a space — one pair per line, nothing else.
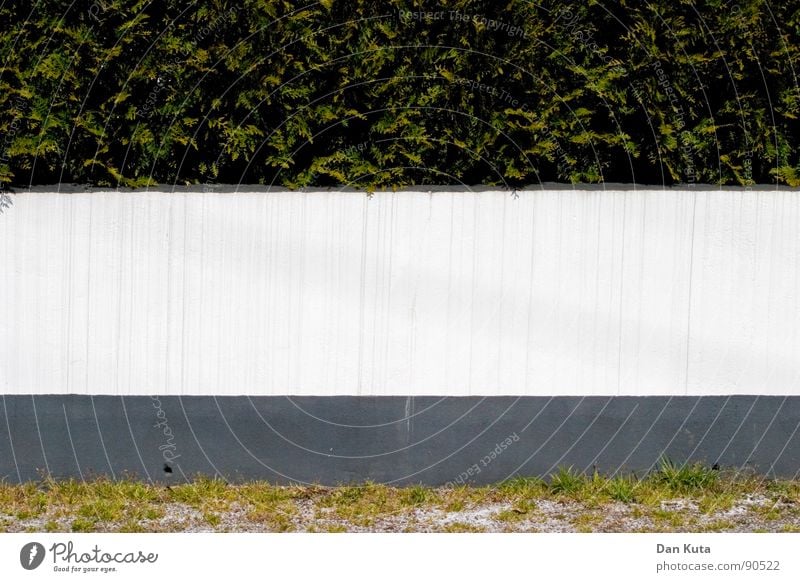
399, 92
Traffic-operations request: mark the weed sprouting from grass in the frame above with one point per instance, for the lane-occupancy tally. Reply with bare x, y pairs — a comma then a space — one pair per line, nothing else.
416, 495
685, 478
623, 488
346, 495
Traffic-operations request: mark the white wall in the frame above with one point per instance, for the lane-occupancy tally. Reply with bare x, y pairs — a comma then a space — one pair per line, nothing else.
555, 292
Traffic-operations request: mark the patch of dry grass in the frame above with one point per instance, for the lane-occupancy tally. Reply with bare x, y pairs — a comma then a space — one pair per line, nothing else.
672, 498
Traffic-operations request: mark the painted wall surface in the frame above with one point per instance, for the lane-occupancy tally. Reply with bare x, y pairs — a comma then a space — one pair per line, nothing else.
555, 292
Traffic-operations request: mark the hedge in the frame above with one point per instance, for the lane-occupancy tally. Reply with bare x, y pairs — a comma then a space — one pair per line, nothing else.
392, 93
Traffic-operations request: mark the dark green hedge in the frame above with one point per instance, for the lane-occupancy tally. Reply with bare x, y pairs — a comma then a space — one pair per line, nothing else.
378, 94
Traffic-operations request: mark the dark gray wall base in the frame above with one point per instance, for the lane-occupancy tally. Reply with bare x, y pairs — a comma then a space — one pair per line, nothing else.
394, 440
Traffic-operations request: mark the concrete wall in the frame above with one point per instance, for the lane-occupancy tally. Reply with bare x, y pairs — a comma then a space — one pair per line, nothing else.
555, 292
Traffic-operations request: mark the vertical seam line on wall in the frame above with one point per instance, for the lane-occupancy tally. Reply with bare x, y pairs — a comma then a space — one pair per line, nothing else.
298, 336
88, 297
361, 308
689, 299
168, 294
475, 224
621, 296
185, 260
447, 310
388, 326
380, 247
68, 277
531, 291
499, 301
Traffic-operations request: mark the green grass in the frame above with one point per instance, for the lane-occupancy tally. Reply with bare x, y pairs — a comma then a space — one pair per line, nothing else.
623, 489
685, 478
587, 522
567, 482
661, 498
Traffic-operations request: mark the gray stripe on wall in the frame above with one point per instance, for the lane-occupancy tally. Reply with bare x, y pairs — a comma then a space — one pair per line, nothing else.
395, 440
